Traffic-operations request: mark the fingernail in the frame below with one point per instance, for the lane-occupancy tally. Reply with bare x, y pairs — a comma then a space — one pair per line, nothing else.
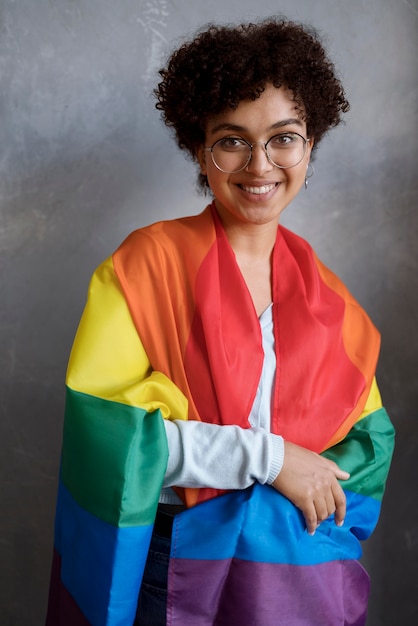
340, 523
311, 534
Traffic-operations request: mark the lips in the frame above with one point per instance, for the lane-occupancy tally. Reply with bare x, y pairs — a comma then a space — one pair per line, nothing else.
259, 189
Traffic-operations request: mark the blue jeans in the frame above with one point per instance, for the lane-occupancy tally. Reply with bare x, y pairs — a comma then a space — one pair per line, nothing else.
152, 601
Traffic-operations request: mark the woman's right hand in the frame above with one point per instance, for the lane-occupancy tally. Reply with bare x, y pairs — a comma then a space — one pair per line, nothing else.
311, 482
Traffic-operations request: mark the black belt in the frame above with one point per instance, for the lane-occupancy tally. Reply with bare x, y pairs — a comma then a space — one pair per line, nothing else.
163, 524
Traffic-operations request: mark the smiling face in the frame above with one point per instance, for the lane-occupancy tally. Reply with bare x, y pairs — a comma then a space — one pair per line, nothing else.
259, 193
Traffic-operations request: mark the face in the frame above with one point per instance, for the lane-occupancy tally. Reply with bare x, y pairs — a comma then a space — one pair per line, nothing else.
259, 193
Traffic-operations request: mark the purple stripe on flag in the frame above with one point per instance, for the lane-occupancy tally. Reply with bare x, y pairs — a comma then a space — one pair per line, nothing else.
62, 609
232, 591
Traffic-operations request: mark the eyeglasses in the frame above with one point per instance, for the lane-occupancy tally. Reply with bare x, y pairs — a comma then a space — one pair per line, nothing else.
232, 154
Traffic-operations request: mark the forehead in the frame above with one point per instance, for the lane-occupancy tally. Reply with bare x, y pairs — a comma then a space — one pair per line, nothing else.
275, 107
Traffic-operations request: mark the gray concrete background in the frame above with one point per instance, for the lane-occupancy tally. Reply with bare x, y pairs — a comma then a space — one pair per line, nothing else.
84, 159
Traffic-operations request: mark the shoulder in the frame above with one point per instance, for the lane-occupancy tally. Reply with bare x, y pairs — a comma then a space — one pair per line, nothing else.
170, 235
165, 247
293, 241
314, 272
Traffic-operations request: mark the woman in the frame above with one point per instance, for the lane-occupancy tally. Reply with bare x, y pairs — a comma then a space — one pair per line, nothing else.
222, 403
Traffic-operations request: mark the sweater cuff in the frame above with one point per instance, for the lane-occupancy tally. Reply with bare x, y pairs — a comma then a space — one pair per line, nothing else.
278, 457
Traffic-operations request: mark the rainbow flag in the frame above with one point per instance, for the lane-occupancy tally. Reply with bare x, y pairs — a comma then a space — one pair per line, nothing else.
169, 331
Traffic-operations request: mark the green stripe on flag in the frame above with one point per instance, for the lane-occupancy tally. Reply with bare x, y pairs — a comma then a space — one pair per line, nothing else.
366, 453
114, 458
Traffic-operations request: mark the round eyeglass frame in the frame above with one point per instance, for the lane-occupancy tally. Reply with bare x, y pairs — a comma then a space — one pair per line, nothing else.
264, 144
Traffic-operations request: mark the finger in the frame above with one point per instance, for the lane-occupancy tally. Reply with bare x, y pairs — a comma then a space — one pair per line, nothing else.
337, 471
323, 506
342, 474
340, 506
311, 518
330, 504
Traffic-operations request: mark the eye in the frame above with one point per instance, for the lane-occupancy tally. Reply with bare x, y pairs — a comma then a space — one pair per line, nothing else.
231, 144
284, 140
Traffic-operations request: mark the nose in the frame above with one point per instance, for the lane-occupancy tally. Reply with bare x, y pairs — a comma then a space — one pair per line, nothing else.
259, 162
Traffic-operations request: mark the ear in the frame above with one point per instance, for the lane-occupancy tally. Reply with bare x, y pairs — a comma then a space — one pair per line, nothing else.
201, 158
310, 146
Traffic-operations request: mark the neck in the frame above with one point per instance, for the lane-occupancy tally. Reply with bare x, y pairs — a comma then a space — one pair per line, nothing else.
253, 250
252, 245
252, 241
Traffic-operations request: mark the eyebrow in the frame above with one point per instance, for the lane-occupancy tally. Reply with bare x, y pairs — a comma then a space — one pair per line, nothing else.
240, 129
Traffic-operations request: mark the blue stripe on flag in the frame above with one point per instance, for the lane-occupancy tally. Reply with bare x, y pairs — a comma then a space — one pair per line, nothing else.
261, 525
102, 565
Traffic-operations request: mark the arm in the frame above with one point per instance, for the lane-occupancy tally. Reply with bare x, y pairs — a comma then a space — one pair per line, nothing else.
221, 457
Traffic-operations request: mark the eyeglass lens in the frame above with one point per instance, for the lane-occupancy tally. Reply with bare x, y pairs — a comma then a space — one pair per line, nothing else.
232, 154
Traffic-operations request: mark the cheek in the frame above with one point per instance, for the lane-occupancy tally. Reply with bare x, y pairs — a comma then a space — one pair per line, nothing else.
298, 173
296, 177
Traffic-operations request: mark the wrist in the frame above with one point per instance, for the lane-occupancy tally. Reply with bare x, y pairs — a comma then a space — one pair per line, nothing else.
277, 458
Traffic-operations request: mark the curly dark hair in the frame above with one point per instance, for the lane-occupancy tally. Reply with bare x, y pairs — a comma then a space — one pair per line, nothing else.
224, 65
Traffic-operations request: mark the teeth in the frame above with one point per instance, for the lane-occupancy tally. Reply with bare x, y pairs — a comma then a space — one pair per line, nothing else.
258, 190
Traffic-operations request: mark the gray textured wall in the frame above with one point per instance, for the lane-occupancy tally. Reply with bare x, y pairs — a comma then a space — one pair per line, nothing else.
84, 159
